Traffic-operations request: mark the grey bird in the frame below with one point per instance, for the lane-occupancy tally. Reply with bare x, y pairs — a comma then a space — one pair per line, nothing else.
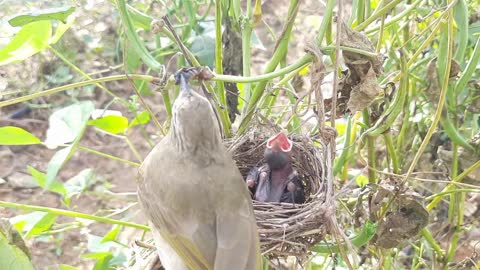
193, 194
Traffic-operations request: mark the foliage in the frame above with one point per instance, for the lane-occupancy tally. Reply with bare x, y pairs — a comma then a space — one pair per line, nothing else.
428, 100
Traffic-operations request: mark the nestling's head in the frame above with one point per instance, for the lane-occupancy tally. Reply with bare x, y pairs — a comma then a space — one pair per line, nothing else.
278, 151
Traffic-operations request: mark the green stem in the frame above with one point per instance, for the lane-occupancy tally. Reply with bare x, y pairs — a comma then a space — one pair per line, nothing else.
441, 102
75, 85
451, 186
299, 64
89, 150
327, 18
133, 37
79, 71
368, 232
343, 159
392, 152
246, 52
218, 51
380, 13
133, 148
397, 18
278, 55
370, 150
62, 212
429, 238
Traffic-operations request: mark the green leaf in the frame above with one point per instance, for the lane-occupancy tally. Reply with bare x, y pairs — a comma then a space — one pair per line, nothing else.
133, 61
12, 257
33, 223
31, 39
112, 234
103, 259
95, 244
141, 119
111, 123
79, 183
72, 120
56, 163
203, 47
17, 136
42, 225
61, 29
59, 14
68, 123
41, 180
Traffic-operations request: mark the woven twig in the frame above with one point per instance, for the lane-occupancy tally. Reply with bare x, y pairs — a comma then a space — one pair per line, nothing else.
287, 229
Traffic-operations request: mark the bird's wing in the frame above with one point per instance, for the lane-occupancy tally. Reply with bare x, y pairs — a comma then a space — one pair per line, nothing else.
237, 236
237, 243
163, 198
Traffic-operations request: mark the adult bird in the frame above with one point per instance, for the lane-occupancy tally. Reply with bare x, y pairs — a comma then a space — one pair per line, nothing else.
198, 207
277, 181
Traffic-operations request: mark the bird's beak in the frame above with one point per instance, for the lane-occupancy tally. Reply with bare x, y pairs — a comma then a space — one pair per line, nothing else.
280, 140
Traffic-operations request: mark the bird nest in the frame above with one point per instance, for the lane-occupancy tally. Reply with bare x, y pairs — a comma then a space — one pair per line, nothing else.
287, 229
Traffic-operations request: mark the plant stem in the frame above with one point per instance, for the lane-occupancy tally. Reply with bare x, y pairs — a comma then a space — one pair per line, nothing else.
220, 89
441, 101
78, 70
62, 212
451, 186
299, 64
378, 13
372, 177
429, 238
75, 85
93, 151
392, 152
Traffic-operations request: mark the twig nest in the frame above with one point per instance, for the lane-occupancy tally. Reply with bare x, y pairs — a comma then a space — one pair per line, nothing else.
288, 229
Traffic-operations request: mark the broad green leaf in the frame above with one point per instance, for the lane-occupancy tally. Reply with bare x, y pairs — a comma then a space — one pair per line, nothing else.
56, 163
12, 257
103, 259
141, 119
60, 14
203, 47
66, 267
41, 180
66, 124
96, 246
133, 61
112, 234
61, 29
31, 39
79, 183
42, 225
111, 123
17, 136
140, 19
33, 223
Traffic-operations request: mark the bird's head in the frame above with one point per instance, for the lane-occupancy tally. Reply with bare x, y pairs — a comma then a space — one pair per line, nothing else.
278, 151
193, 125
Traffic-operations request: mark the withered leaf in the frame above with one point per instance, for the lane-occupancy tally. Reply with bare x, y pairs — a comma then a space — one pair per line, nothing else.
364, 92
354, 39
